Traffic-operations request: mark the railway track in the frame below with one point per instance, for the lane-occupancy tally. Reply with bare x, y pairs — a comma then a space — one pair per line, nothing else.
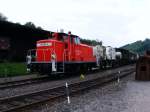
23, 82
12, 84
14, 103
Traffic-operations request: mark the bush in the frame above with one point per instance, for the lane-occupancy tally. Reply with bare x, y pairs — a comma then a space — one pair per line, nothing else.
12, 69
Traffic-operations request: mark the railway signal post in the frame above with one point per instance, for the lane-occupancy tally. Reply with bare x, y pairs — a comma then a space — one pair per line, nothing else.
67, 92
118, 80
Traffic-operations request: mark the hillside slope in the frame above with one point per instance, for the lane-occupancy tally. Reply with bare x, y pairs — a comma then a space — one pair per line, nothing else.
138, 46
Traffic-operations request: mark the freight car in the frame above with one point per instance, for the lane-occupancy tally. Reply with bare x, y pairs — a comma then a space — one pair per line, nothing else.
127, 57
105, 56
64, 53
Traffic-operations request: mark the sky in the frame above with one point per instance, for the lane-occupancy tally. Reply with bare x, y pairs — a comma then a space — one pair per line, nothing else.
114, 22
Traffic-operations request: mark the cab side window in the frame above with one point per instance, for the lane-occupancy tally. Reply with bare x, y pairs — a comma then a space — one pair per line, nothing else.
78, 39
75, 40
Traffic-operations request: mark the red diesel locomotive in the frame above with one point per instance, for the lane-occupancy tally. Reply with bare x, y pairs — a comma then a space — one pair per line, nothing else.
62, 54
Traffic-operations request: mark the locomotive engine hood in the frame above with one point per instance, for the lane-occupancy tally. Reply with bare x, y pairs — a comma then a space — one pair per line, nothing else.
45, 48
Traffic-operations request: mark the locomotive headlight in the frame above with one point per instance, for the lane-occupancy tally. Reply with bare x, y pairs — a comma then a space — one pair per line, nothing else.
53, 56
28, 70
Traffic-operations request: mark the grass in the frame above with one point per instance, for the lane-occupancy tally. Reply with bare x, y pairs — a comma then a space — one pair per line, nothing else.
12, 69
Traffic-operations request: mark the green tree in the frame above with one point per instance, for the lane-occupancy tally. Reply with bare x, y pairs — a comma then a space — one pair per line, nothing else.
40, 28
30, 24
91, 42
2, 17
139, 46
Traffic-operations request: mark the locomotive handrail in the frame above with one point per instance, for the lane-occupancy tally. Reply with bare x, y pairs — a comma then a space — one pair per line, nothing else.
30, 52
55, 55
63, 60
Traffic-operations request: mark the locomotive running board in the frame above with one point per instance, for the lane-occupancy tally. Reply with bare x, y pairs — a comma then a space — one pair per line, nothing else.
54, 73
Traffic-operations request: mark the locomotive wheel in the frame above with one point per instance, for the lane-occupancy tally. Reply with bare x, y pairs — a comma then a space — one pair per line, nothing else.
84, 68
76, 69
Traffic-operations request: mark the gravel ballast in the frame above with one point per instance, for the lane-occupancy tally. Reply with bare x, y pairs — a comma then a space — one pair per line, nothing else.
112, 97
